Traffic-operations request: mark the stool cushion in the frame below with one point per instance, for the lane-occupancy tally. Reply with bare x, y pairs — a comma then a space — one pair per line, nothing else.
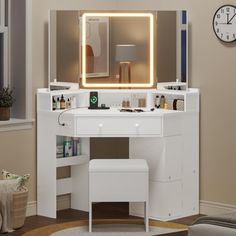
118, 165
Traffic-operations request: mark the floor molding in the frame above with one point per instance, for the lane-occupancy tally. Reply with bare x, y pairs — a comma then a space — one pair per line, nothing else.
215, 208
206, 207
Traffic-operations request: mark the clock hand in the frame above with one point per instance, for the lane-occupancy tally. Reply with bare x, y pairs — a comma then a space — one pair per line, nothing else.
227, 18
228, 22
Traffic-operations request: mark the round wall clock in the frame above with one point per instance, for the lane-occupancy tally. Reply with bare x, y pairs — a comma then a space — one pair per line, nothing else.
224, 23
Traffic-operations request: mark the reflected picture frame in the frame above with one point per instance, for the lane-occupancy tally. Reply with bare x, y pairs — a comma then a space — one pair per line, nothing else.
97, 46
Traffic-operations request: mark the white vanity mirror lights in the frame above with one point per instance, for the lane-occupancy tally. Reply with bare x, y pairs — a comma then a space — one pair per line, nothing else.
118, 49
133, 54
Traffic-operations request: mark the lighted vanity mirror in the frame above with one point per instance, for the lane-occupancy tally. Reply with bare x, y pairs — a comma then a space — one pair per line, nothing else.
104, 49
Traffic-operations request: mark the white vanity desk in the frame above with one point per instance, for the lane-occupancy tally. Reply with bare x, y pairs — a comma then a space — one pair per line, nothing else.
167, 139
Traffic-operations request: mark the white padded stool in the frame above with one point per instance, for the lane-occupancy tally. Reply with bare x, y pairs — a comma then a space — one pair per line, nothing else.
118, 180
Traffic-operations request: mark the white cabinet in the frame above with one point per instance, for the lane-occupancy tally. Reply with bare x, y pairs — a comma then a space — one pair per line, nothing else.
165, 201
167, 139
164, 156
170, 195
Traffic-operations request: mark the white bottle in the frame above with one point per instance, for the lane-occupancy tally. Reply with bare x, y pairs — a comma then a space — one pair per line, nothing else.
73, 102
68, 103
149, 101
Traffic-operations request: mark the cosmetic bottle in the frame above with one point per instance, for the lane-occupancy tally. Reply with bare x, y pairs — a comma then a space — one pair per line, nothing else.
76, 146
149, 100
157, 102
127, 102
68, 103
124, 102
162, 102
166, 106
54, 104
58, 104
62, 102
73, 102
67, 147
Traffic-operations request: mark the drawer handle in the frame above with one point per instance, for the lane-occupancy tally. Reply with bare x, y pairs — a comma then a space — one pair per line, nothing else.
137, 125
100, 125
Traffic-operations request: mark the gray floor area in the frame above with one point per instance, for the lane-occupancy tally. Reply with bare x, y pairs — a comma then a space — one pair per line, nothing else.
114, 230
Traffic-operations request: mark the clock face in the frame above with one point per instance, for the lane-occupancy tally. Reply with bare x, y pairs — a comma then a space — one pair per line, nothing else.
224, 23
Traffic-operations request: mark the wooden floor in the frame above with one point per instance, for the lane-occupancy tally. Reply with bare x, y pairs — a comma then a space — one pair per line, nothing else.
100, 211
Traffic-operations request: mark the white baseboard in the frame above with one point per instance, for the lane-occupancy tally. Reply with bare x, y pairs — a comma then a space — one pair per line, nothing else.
215, 208
206, 207
63, 202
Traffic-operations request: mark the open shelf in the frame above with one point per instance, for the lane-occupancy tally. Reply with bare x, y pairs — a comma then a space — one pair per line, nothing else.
64, 186
71, 161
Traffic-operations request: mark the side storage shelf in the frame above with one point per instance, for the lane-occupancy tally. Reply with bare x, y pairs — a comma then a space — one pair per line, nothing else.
68, 155
71, 161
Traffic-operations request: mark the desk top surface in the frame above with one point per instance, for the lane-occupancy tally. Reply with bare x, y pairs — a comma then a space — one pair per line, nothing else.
115, 112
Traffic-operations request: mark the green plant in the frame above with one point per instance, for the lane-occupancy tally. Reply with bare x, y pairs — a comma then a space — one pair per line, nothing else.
6, 97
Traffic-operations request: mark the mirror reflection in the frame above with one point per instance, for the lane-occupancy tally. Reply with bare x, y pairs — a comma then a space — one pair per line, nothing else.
126, 55
117, 48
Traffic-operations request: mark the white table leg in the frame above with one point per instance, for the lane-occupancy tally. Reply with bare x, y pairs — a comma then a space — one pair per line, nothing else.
146, 216
90, 216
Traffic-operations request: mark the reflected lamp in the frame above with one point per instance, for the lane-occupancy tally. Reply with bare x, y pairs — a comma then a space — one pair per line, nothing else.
125, 54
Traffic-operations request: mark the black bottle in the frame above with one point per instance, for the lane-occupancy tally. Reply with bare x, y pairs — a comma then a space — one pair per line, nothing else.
54, 104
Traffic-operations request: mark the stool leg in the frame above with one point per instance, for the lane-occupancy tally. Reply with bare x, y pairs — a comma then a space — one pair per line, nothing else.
90, 216
146, 216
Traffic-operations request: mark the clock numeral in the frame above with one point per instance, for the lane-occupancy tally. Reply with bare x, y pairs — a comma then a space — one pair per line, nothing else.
234, 36
227, 37
221, 35
227, 9
216, 23
217, 30
218, 16
222, 10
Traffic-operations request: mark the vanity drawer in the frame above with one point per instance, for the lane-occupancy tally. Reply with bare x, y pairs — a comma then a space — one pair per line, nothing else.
118, 126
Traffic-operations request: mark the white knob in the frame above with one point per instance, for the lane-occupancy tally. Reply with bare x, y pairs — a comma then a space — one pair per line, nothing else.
137, 125
100, 125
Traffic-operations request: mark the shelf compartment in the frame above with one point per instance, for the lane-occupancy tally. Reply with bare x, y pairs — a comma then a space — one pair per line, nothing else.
71, 161
64, 186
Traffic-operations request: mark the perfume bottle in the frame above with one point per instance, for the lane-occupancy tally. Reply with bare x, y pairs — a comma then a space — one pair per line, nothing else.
62, 102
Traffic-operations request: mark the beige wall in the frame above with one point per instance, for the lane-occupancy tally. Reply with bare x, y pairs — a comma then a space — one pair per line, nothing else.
18, 154
212, 69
